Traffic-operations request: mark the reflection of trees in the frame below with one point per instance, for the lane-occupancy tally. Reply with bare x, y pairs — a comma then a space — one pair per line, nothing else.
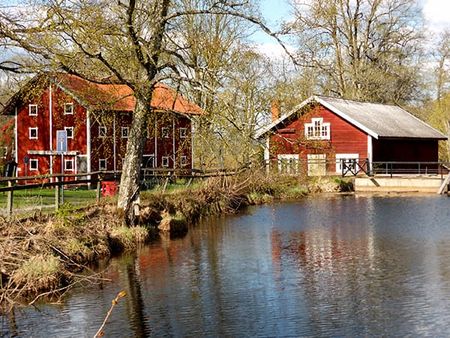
368, 277
135, 302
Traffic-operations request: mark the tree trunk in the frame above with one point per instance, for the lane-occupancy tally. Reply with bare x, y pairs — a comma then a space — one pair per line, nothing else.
131, 168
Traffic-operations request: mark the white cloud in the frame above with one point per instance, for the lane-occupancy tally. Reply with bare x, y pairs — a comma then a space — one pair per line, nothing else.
437, 14
274, 50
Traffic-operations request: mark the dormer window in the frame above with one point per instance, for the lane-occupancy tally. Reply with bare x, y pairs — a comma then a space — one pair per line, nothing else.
68, 108
317, 130
32, 109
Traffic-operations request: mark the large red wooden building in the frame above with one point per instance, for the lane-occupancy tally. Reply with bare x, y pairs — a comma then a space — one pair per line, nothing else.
96, 119
322, 134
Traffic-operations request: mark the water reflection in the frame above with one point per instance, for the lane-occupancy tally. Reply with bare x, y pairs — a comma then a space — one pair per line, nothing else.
343, 266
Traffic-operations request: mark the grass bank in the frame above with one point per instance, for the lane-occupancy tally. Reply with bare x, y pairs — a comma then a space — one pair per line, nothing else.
48, 254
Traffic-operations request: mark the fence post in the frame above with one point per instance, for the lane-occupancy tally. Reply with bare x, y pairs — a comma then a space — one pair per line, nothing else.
10, 199
99, 186
61, 191
57, 193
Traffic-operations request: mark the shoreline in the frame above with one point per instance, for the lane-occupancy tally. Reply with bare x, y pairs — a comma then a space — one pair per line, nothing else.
48, 255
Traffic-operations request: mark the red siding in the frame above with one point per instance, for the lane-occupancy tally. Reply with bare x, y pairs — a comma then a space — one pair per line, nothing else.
344, 137
101, 147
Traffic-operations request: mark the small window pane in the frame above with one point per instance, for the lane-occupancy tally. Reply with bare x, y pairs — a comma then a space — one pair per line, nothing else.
34, 163
69, 131
68, 108
32, 109
165, 161
165, 132
102, 164
183, 132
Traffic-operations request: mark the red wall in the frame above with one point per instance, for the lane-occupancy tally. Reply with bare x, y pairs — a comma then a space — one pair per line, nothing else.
42, 121
100, 147
344, 138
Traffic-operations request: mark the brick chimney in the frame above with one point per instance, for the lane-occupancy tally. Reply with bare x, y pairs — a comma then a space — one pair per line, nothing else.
275, 109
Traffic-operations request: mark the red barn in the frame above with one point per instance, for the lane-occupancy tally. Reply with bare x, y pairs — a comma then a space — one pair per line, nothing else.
96, 118
321, 133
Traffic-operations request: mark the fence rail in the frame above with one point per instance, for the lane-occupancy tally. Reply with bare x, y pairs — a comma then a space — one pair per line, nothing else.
96, 179
354, 167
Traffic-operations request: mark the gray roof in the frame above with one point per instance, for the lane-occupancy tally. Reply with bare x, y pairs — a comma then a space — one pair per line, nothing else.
377, 120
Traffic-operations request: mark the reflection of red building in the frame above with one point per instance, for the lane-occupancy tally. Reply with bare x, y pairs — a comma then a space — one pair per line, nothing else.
97, 120
319, 248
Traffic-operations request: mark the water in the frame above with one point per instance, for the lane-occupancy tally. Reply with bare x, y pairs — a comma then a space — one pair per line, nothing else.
337, 266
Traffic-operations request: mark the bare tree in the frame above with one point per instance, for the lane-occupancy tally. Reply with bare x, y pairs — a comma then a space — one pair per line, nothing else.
364, 49
442, 70
135, 42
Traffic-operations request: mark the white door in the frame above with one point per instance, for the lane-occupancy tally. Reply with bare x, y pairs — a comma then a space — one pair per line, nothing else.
317, 164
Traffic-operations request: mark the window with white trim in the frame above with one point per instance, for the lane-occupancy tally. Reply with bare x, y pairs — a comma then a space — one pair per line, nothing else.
183, 161
317, 164
102, 130
34, 164
165, 132
32, 109
102, 164
68, 165
124, 132
317, 130
33, 133
288, 163
69, 131
183, 132
68, 108
165, 161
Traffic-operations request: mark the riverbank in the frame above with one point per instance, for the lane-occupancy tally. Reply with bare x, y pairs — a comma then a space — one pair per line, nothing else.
47, 255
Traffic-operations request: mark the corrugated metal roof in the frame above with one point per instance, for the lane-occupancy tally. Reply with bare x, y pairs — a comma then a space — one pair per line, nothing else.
377, 120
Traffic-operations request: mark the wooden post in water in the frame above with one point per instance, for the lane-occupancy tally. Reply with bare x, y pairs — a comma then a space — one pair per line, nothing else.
57, 193
10, 200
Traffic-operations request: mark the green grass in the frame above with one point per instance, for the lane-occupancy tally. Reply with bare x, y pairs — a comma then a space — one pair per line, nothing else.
41, 197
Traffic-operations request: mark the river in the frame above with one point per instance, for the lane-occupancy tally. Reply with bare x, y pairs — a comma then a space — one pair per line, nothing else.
323, 266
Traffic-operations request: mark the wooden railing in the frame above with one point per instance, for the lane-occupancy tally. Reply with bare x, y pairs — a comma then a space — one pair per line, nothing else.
59, 181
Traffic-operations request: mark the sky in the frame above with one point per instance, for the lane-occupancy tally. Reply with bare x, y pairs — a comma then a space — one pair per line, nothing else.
435, 12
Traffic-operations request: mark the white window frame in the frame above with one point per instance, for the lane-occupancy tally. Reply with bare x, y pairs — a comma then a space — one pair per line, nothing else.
66, 161
317, 164
183, 133
165, 159
289, 162
71, 131
150, 156
68, 112
122, 129
165, 134
100, 128
30, 106
183, 161
317, 129
37, 133
347, 158
31, 167
100, 166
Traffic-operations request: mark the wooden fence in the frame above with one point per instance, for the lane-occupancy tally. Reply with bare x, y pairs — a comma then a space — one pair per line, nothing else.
59, 181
